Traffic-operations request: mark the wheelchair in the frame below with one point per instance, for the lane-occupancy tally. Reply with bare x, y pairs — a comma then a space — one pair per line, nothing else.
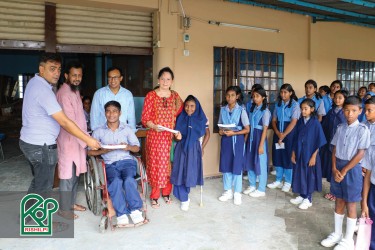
97, 196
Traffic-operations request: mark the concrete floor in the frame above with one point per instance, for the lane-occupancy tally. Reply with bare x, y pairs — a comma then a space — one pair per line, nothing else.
270, 222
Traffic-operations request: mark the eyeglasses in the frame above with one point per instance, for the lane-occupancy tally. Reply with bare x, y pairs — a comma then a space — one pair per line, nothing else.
116, 78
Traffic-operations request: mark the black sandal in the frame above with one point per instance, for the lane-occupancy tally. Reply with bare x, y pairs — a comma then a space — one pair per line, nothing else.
167, 199
155, 204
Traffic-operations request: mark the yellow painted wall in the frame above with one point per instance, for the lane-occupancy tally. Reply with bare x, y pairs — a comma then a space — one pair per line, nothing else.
311, 50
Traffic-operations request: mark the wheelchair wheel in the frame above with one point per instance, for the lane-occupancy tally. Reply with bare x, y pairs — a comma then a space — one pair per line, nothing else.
89, 187
92, 184
143, 185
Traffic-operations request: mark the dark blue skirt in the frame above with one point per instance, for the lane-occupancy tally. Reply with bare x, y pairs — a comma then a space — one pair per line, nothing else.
252, 161
229, 162
326, 161
281, 157
307, 179
187, 166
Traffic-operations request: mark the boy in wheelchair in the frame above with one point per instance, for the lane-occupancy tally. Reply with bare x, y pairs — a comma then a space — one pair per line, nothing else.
119, 165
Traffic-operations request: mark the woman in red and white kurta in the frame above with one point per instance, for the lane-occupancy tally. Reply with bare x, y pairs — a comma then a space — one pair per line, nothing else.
161, 107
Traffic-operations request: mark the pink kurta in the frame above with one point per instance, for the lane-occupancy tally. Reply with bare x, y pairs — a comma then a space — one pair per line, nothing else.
71, 149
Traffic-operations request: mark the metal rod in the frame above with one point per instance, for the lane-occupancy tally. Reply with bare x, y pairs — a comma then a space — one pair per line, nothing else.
182, 8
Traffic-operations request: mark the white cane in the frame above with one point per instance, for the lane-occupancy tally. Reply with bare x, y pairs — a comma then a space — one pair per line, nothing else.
201, 204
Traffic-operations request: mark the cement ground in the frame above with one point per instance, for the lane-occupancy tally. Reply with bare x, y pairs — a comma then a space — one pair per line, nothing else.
270, 222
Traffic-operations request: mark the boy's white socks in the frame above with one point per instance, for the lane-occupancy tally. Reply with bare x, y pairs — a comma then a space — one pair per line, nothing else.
339, 218
350, 227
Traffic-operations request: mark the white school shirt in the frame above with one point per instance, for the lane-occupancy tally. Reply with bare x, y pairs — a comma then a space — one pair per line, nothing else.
369, 159
348, 139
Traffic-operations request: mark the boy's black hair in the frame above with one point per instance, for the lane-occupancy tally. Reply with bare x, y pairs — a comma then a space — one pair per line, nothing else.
86, 98
310, 102
371, 84
325, 88
73, 64
114, 68
165, 70
293, 96
370, 100
353, 100
312, 82
50, 57
114, 104
263, 93
337, 82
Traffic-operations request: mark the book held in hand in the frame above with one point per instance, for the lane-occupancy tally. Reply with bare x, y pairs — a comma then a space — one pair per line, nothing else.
162, 128
227, 127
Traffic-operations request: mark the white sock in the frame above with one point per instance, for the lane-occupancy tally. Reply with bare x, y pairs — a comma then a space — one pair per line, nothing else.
350, 227
339, 218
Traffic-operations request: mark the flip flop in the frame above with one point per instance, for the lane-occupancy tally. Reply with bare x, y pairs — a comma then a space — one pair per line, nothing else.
167, 199
67, 215
328, 196
155, 204
59, 226
80, 208
333, 198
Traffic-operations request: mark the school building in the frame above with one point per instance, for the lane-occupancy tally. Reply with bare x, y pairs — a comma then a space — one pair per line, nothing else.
209, 44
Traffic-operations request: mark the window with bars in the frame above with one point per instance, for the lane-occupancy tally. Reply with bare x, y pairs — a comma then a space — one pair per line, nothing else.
245, 68
355, 74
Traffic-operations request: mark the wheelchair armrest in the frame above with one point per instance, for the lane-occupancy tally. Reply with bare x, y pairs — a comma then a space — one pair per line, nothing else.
137, 155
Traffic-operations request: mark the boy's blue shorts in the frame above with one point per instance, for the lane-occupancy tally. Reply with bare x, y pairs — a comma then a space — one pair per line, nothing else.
350, 188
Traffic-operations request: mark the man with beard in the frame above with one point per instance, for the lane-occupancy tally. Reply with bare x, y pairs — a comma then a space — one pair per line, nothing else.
71, 150
42, 117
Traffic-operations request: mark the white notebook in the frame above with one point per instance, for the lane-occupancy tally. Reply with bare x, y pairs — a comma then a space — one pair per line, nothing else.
119, 146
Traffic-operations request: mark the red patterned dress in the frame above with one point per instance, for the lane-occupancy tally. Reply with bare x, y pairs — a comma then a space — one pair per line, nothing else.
161, 111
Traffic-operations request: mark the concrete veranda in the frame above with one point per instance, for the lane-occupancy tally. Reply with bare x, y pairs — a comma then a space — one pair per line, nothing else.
270, 222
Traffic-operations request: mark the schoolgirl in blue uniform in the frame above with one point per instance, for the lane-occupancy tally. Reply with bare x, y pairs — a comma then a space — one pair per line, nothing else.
333, 118
349, 145
187, 168
248, 106
284, 120
370, 91
335, 86
325, 91
233, 145
361, 93
311, 92
308, 138
368, 192
256, 146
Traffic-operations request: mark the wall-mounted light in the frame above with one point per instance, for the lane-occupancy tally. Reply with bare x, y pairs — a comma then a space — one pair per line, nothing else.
243, 26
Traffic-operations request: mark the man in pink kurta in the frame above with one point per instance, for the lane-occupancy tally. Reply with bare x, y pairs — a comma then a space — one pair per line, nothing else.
71, 151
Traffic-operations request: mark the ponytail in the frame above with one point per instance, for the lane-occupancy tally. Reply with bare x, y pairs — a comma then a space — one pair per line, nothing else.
318, 95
